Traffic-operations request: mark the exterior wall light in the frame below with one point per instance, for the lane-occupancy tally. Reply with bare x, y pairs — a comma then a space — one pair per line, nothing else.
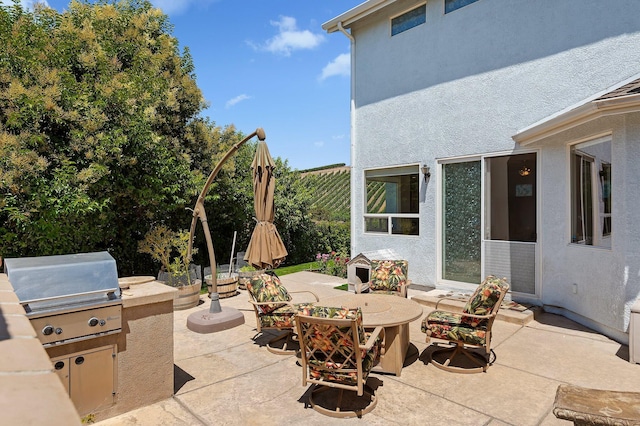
426, 172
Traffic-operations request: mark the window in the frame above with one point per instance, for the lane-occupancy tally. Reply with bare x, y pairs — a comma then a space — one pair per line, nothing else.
392, 201
591, 193
451, 5
409, 19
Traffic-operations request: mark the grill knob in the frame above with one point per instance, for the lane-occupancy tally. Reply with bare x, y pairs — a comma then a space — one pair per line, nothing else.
93, 322
48, 330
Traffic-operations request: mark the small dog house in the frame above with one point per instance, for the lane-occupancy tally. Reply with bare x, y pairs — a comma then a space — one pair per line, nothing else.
359, 267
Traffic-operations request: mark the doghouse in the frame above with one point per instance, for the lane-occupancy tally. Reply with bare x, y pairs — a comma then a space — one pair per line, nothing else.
359, 268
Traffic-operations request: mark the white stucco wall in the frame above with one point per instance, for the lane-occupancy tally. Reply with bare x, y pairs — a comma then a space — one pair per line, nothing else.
463, 84
607, 280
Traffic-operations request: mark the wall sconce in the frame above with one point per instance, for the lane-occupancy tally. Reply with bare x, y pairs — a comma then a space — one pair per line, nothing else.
425, 172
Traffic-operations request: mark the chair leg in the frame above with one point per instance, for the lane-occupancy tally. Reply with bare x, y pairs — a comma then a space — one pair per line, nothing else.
285, 347
456, 350
339, 412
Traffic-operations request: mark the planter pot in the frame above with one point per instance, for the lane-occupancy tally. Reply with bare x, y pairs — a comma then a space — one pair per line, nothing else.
227, 285
188, 296
245, 277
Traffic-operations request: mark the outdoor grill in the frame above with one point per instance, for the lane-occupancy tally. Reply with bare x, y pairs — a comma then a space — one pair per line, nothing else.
68, 298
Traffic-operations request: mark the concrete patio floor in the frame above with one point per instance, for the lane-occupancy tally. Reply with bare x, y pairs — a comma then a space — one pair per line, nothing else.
228, 378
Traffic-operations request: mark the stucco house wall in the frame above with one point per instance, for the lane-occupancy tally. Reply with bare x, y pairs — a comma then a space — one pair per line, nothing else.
463, 84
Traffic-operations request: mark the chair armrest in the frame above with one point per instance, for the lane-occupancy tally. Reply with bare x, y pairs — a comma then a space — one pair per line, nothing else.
457, 299
481, 316
373, 337
475, 316
254, 303
358, 287
306, 291
404, 289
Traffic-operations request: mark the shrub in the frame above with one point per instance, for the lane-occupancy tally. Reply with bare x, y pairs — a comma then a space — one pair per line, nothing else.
333, 264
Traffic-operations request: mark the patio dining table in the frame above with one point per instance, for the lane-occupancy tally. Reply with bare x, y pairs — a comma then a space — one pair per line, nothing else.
391, 312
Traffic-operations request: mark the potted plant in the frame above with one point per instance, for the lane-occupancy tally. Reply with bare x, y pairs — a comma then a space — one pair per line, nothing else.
170, 248
245, 274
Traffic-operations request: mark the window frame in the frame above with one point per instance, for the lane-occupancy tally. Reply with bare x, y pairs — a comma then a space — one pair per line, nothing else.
392, 171
467, 3
406, 12
599, 212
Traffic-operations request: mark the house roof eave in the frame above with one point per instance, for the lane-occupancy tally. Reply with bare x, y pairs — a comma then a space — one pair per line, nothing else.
349, 17
582, 114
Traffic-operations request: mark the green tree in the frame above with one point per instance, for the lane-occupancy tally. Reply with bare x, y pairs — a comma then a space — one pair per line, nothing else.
102, 140
100, 133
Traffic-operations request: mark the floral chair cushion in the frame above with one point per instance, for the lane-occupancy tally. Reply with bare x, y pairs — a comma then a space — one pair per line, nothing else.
450, 326
333, 357
484, 299
460, 327
388, 276
267, 288
284, 316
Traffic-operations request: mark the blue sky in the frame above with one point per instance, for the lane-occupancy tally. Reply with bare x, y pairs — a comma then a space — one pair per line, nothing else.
270, 64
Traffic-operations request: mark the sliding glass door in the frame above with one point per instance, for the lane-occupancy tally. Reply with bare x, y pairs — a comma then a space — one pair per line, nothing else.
489, 220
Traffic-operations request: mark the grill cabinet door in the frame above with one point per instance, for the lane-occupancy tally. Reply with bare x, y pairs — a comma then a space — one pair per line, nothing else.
89, 376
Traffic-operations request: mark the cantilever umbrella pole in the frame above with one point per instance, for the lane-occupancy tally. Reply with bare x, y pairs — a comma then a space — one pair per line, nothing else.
199, 212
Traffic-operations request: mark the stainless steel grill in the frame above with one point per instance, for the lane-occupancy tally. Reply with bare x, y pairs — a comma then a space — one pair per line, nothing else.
68, 297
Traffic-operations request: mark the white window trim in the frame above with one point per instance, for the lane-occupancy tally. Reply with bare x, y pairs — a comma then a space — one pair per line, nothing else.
389, 171
415, 6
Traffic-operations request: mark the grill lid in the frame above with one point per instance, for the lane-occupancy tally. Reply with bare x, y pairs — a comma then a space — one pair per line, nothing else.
83, 276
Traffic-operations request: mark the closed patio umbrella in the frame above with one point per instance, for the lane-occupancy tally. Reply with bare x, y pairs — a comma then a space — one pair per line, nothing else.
266, 249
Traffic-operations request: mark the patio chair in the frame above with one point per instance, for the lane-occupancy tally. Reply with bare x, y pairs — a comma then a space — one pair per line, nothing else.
337, 353
469, 329
273, 308
388, 277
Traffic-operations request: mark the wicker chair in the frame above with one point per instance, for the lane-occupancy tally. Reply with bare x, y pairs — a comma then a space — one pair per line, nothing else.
388, 277
337, 353
273, 308
469, 329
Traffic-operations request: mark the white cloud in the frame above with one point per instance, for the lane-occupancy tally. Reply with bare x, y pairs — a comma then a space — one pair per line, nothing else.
341, 65
290, 38
319, 144
237, 99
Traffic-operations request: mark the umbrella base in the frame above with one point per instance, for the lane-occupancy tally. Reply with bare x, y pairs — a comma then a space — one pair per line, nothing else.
207, 322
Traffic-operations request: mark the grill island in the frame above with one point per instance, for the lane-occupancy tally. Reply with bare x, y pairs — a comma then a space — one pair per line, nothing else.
111, 348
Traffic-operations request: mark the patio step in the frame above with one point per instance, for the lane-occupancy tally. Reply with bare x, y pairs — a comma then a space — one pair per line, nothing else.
509, 311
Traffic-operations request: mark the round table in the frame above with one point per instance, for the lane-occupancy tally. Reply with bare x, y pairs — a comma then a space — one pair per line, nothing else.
394, 313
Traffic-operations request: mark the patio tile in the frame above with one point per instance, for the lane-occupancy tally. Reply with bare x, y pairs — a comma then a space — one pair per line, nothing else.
227, 378
219, 366
164, 413
582, 361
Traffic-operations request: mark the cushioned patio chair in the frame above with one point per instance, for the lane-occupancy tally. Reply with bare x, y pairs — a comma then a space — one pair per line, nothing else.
337, 353
387, 277
469, 329
274, 310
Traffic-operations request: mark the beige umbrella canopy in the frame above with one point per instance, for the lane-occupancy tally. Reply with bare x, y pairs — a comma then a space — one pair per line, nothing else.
266, 249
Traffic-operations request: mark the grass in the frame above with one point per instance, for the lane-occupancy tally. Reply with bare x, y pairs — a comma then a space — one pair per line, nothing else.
295, 268
344, 287
309, 266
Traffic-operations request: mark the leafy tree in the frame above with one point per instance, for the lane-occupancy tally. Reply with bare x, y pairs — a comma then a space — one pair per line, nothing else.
101, 140
100, 134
